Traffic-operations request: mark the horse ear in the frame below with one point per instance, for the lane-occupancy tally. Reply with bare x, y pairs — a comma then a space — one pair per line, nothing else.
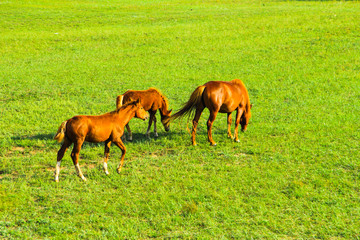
250, 106
137, 101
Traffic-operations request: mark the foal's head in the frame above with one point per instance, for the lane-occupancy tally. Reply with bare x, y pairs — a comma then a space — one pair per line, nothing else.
140, 111
245, 117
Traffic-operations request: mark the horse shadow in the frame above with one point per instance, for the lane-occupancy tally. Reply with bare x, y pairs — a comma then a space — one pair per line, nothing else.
41, 136
142, 138
137, 137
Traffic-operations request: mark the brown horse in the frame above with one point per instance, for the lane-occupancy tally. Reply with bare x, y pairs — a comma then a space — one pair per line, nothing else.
152, 100
107, 128
218, 96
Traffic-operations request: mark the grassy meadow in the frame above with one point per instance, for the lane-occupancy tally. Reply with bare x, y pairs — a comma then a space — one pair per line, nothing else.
294, 174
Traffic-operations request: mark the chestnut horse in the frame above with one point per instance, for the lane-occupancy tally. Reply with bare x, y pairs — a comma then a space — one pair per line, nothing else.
107, 128
218, 96
152, 100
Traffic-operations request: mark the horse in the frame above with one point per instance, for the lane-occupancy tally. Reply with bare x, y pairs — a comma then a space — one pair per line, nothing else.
152, 100
107, 128
218, 96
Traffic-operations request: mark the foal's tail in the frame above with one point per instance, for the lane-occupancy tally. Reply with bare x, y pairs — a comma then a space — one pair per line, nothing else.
190, 106
119, 101
60, 134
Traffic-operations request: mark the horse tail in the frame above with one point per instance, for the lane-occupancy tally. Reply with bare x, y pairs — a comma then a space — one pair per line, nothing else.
190, 106
119, 101
60, 134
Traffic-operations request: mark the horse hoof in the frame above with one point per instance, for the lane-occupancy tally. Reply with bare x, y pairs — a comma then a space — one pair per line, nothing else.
237, 140
118, 171
213, 144
56, 180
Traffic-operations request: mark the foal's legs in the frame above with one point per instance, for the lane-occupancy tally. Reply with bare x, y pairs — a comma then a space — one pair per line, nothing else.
151, 119
107, 150
229, 121
75, 157
209, 126
129, 132
121, 145
66, 144
198, 112
239, 112
155, 128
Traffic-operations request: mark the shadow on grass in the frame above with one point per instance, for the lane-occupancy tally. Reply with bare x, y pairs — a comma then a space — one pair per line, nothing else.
141, 137
137, 137
35, 137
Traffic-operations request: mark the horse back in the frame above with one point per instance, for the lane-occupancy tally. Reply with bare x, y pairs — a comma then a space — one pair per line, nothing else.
89, 128
223, 96
150, 99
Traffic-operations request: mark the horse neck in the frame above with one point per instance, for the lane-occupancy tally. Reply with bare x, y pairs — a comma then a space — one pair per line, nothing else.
245, 93
247, 105
126, 114
164, 106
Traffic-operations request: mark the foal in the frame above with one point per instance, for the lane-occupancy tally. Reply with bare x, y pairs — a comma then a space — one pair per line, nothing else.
152, 100
218, 96
107, 128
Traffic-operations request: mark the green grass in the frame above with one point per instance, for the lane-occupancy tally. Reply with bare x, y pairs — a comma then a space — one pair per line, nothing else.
294, 175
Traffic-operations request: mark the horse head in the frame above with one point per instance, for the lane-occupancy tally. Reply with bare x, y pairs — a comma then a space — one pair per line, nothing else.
245, 117
140, 111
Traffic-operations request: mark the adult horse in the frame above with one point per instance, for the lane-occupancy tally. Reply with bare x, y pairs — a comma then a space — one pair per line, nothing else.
218, 96
152, 100
107, 128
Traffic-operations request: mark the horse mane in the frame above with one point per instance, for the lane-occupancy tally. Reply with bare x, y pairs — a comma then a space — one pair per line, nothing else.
242, 85
124, 106
238, 82
162, 96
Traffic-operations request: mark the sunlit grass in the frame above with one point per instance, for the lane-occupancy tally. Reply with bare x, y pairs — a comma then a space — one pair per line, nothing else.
295, 173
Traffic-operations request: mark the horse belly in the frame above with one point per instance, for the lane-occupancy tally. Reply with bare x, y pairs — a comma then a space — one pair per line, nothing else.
231, 99
96, 135
95, 138
227, 108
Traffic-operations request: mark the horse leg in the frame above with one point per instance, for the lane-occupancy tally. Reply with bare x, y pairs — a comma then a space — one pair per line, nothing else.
129, 132
121, 145
239, 112
151, 119
155, 129
107, 150
75, 157
209, 126
229, 121
66, 144
195, 123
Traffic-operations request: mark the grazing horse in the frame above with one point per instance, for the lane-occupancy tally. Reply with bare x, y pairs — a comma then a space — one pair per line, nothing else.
152, 100
107, 128
218, 96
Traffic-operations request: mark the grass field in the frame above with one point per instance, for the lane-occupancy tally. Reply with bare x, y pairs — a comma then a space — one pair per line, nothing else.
294, 175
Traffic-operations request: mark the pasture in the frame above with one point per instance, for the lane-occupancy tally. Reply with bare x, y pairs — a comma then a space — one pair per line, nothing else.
294, 174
